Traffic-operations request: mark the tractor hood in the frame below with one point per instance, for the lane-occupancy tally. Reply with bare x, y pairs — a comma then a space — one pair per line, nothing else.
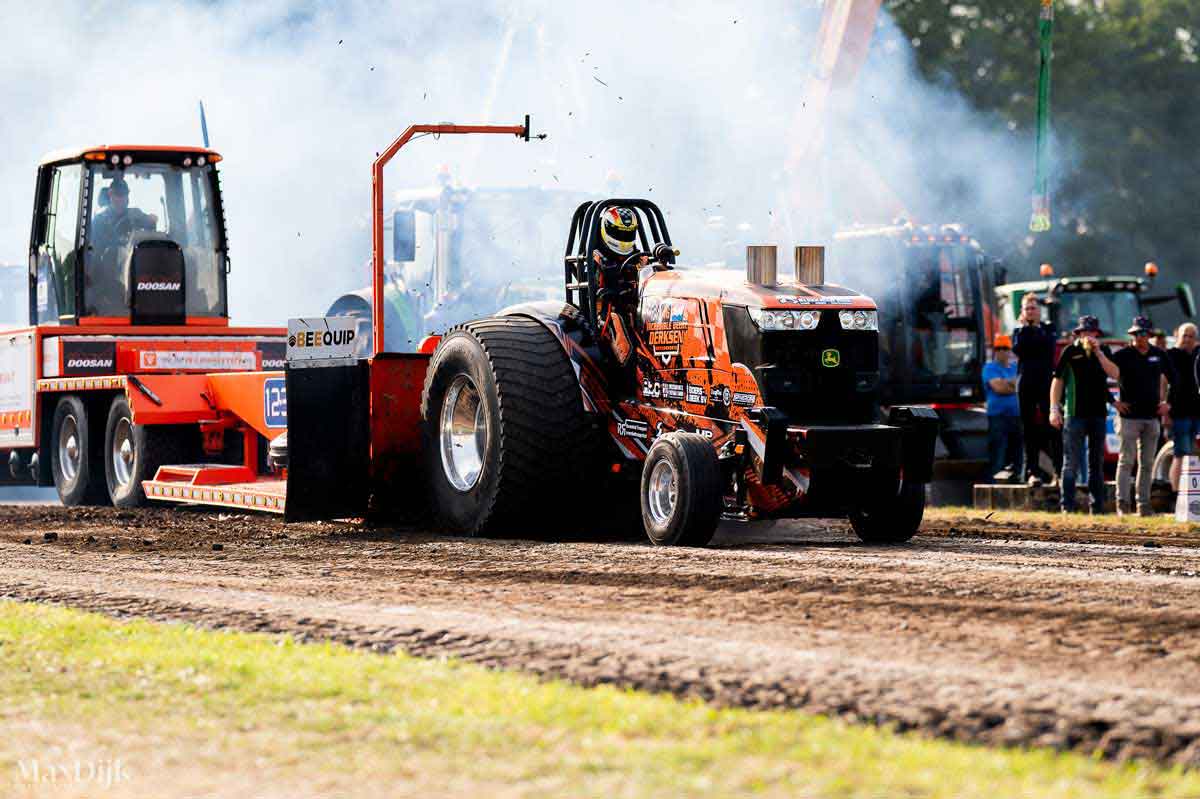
731, 288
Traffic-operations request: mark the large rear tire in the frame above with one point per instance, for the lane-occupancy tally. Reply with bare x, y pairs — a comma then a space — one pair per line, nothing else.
681, 491
893, 519
76, 454
133, 453
508, 446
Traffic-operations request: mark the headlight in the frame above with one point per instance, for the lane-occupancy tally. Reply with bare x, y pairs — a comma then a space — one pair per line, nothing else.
808, 320
785, 320
859, 320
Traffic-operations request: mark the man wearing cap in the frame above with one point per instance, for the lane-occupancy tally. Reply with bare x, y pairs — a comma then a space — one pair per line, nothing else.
1034, 342
1184, 398
1003, 409
106, 282
1144, 373
118, 221
1079, 407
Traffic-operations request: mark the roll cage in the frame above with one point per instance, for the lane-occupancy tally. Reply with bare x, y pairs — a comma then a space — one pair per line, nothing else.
580, 272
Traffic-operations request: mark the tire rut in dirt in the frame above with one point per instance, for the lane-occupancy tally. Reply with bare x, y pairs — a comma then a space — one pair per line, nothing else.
1002, 643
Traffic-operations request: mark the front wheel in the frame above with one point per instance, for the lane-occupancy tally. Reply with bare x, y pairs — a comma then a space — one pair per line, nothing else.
681, 491
133, 453
893, 519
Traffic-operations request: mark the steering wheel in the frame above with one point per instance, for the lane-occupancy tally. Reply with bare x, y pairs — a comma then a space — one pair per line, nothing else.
661, 253
631, 260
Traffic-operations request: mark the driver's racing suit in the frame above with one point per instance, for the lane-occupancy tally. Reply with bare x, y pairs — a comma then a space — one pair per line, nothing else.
617, 301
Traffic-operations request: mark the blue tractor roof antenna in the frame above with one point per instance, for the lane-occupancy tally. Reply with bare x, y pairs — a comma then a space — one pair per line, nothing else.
203, 124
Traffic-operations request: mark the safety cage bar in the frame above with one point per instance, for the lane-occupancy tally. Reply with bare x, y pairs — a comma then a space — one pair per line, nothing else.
579, 272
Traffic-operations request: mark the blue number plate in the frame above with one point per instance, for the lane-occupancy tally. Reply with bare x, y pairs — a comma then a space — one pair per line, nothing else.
275, 402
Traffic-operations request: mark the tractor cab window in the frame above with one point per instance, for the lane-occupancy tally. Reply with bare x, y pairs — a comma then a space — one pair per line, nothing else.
147, 202
57, 253
419, 272
1114, 309
943, 303
478, 251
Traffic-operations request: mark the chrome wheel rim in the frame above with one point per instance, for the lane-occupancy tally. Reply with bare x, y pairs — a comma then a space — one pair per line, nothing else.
122, 452
70, 458
662, 492
463, 434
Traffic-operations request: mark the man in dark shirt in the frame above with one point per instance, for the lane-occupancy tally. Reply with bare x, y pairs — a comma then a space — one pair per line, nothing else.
1033, 344
1144, 373
1184, 398
119, 221
1079, 406
112, 230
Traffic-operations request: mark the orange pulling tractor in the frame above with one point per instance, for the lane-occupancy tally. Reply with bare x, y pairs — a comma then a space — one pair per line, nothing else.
674, 397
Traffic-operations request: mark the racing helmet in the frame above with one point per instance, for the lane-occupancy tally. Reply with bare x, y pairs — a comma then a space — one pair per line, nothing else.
618, 230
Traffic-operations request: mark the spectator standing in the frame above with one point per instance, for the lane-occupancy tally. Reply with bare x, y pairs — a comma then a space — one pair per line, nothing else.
1184, 398
1034, 342
1079, 407
1003, 409
1144, 374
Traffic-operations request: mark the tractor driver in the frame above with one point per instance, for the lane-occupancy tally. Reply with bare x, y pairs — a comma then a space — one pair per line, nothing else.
617, 297
111, 229
118, 221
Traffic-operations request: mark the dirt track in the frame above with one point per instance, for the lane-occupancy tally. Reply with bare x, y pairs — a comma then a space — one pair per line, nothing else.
1004, 641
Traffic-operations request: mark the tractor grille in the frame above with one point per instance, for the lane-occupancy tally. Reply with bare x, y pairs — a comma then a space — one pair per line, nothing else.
801, 375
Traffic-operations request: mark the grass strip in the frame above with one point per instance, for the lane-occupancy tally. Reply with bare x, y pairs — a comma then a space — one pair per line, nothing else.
188, 710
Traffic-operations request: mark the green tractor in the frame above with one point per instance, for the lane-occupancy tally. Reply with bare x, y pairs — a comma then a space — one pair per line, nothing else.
453, 256
1113, 299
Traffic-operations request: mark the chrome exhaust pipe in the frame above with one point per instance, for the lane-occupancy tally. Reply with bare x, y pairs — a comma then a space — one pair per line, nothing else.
810, 265
761, 266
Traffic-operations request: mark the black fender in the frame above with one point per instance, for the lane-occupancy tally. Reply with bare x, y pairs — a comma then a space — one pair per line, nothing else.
564, 321
548, 312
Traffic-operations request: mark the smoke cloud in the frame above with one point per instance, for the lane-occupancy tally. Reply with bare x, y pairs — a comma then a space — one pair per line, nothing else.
692, 105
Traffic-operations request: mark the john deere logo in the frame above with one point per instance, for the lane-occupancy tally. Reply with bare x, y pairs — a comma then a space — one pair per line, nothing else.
831, 358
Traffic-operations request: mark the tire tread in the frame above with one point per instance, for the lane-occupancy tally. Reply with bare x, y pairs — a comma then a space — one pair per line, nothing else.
545, 435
